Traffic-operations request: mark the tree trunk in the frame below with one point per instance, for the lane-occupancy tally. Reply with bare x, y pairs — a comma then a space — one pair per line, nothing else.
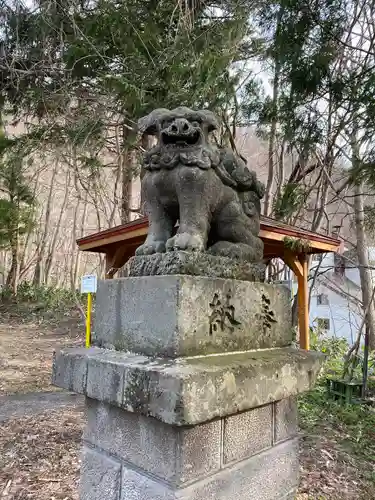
321, 205
114, 201
52, 246
281, 171
272, 146
26, 264
127, 166
77, 254
272, 138
38, 274
74, 251
363, 262
146, 145
3, 265
13, 275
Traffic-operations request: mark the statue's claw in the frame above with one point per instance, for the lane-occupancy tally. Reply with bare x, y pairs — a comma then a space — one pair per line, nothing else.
186, 241
151, 247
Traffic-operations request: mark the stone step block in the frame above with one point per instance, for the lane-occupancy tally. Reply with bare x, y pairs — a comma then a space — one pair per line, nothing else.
188, 391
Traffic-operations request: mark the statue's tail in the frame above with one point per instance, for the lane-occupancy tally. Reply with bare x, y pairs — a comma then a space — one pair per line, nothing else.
233, 172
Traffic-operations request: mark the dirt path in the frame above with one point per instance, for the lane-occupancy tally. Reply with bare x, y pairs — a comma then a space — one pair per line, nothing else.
23, 405
40, 425
26, 352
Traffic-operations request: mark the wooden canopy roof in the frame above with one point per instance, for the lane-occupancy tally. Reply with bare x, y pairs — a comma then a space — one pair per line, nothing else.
273, 233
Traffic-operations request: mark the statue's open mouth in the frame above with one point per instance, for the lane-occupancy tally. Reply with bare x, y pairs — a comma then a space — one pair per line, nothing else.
193, 138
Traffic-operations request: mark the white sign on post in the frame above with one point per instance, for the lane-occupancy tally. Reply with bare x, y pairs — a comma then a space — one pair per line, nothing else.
89, 283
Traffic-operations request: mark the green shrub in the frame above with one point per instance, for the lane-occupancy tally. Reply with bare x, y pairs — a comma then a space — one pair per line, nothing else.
47, 296
335, 350
354, 425
40, 299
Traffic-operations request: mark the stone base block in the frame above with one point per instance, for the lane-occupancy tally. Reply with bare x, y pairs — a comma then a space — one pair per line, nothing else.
268, 476
188, 391
100, 476
177, 316
131, 457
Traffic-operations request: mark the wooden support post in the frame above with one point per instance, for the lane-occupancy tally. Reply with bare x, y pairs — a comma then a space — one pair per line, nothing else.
303, 306
298, 264
116, 258
109, 269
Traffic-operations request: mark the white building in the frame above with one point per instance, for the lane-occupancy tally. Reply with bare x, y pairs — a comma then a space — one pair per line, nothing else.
335, 294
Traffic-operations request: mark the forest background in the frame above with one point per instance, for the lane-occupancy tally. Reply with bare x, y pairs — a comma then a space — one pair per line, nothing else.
292, 81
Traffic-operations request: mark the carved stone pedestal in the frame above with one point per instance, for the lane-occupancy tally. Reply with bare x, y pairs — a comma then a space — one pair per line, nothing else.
190, 391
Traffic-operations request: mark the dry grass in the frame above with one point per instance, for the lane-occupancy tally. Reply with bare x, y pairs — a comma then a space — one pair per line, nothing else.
39, 456
40, 461
330, 473
337, 449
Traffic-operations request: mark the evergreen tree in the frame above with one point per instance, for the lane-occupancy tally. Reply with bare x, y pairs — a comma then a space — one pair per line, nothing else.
17, 205
82, 67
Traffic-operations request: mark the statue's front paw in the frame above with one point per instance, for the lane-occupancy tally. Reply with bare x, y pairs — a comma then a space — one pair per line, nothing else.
148, 248
186, 241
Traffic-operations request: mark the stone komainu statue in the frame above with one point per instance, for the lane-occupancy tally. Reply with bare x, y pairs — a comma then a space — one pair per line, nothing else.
208, 190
